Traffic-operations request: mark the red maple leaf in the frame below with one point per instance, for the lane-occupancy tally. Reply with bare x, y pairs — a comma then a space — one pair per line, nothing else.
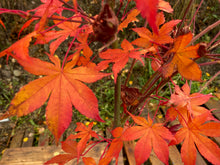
182, 97
147, 38
68, 146
84, 134
45, 10
119, 57
165, 6
185, 104
82, 49
67, 29
148, 9
182, 59
53, 6
64, 88
115, 147
75, 149
130, 18
150, 136
20, 47
194, 135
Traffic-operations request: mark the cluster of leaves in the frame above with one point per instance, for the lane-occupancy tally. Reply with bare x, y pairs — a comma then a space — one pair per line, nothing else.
62, 83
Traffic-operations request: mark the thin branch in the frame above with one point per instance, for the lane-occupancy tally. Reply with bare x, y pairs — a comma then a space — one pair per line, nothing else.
216, 44
70, 6
212, 54
209, 63
214, 38
80, 10
196, 12
67, 52
184, 16
59, 19
210, 27
130, 71
218, 73
213, 58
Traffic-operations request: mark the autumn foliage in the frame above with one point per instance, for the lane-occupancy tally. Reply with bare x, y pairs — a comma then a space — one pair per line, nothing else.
63, 80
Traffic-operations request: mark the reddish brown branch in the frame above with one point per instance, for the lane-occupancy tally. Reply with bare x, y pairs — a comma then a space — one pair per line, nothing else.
205, 31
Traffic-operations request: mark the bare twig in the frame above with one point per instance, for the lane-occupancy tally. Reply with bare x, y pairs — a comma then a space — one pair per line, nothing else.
218, 73
204, 31
216, 44
130, 71
216, 36
184, 16
196, 12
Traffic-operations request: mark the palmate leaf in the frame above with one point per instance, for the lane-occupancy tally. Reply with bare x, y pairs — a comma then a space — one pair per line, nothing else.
84, 134
115, 147
165, 6
148, 9
63, 87
66, 29
151, 136
194, 135
119, 57
130, 18
182, 59
186, 105
162, 37
70, 147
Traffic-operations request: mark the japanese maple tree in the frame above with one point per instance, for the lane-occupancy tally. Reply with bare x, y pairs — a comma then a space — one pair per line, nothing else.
61, 84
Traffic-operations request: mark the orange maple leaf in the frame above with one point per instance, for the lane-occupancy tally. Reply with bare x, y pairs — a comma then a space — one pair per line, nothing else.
20, 47
68, 29
45, 10
115, 147
165, 6
150, 136
83, 50
182, 97
88, 161
186, 104
119, 57
84, 134
193, 136
64, 88
147, 38
130, 18
68, 146
182, 59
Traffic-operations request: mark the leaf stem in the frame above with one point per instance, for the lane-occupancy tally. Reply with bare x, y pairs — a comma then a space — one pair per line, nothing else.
130, 71
67, 52
150, 82
79, 10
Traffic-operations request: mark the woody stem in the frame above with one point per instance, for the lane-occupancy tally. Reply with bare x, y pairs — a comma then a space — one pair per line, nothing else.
116, 122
